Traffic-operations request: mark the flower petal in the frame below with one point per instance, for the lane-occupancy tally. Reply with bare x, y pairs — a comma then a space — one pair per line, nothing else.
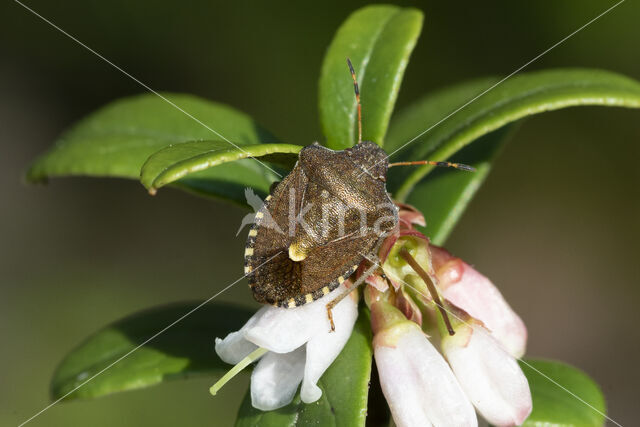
489, 375
396, 267
275, 379
408, 307
416, 381
377, 282
410, 215
466, 288
282, 330
323, 348
234, 347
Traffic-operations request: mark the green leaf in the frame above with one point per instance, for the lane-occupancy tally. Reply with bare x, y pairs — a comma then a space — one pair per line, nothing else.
116, 140
345, 389
562, 396
181, 351
378, 40
427, 131
180, 160
445, 194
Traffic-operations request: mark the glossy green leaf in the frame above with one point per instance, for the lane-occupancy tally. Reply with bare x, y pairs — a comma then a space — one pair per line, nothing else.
180, 160
345, 390
444, 195
426, 131
116, 140
378, 40
562, 396
183, 350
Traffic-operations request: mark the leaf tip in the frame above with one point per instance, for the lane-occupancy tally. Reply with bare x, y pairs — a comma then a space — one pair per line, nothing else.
36, 179
34, 174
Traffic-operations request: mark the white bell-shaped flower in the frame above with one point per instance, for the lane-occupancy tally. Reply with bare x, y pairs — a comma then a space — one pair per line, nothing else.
419, 386
466, 288
489, 375
301, 347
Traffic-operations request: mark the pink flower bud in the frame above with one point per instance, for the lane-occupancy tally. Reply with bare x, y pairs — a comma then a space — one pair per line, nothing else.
466, 288
409, 215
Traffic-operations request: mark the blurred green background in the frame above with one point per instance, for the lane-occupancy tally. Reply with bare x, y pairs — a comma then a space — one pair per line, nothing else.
555, 226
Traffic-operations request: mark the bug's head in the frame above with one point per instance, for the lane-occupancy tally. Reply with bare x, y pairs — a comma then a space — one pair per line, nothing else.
371, 158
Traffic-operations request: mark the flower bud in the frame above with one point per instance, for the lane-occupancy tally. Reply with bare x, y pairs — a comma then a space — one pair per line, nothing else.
466, 288
488, 374
409, 215
416, 381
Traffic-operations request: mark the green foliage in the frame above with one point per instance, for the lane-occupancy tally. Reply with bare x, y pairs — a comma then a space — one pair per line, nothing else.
581, 403
443, 197
345, 390
116, 140
182, 351
419, 133
177, 161
216, 151
378, 40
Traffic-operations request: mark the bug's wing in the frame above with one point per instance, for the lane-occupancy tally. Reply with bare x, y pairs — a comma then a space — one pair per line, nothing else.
275, 278
287, 283
330, 182
269, 237
341, 174
270, 231
338, 259
323, 218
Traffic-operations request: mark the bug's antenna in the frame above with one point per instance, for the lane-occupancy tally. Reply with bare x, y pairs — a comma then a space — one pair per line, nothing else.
460, 166
355, 88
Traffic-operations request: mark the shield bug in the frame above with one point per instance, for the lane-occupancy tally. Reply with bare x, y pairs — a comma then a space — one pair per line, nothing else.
320, 222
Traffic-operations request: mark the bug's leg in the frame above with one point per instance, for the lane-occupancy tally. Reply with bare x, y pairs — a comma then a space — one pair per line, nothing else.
350, 289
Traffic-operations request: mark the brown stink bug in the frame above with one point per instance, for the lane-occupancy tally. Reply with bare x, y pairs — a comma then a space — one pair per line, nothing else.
317, 225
